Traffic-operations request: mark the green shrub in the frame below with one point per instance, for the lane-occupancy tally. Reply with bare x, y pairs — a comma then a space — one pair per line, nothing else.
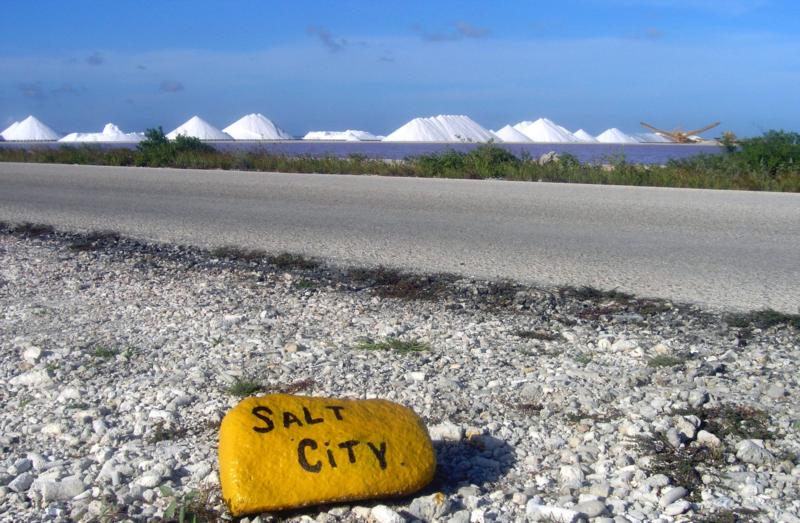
155, 150
190, 144
773, 152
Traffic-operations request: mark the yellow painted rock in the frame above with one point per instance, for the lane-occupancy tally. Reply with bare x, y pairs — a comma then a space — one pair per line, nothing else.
281, 451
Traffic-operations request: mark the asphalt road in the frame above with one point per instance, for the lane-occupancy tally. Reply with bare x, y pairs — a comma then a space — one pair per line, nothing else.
724, 249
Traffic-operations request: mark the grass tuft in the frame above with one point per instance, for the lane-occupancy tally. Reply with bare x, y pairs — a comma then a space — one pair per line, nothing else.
733, 421
739, 421
295, 387
682, 465
393, 344
529, 408
286, 261
104, 353
392, 283
245, 387
664, 360
33, 230
230, 252
735, 515
93, 241
763, 319
536, 335
193, 507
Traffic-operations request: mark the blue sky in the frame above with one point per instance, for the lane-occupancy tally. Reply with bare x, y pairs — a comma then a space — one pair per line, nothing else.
373, 65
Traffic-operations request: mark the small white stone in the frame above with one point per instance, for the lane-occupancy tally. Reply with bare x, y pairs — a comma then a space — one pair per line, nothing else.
537, 512
22, 482
32, 354
753, 451
672, 495
292, 347
69, 394
63, 490
624, 345
446, 431
708, 439
51, 429
660, 348
570, 336
33, 378
571, 476
679, 507
416, 376
520, 498
149, 480
383, 514
591, 509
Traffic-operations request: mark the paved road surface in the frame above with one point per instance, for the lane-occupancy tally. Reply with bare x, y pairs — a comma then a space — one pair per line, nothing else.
725, 249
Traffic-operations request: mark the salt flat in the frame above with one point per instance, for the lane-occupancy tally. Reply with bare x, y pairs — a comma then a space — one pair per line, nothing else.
724, 249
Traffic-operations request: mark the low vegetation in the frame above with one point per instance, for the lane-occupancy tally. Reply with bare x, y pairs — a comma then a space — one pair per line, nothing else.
664, 360
245, 387
770, 162
684, 465
393, 344
763, 319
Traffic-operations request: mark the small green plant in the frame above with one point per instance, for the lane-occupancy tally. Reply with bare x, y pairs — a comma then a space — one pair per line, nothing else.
216, 341
93, 241
109, 512
163, 431
33, 229
583, 358
104, 352
536, 335
305, 284
391, 283
725, 515
684, 466
51, 367
739, 421
245, 387
529, 408
763, 319
286, 261
192, 507
393, 344
664, 360
235, 253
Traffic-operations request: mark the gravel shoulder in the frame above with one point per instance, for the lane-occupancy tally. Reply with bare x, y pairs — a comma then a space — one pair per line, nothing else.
118, 360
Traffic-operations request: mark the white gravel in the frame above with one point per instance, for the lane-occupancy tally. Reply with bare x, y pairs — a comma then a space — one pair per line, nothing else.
116, 360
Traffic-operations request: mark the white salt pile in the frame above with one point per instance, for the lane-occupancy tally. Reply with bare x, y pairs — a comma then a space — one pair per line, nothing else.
110, 133
651, 138
614, 135
349, 135
544, 130
196, 127
583, 136
9, 130
511, 135
30, 129
442, 128
256, 126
